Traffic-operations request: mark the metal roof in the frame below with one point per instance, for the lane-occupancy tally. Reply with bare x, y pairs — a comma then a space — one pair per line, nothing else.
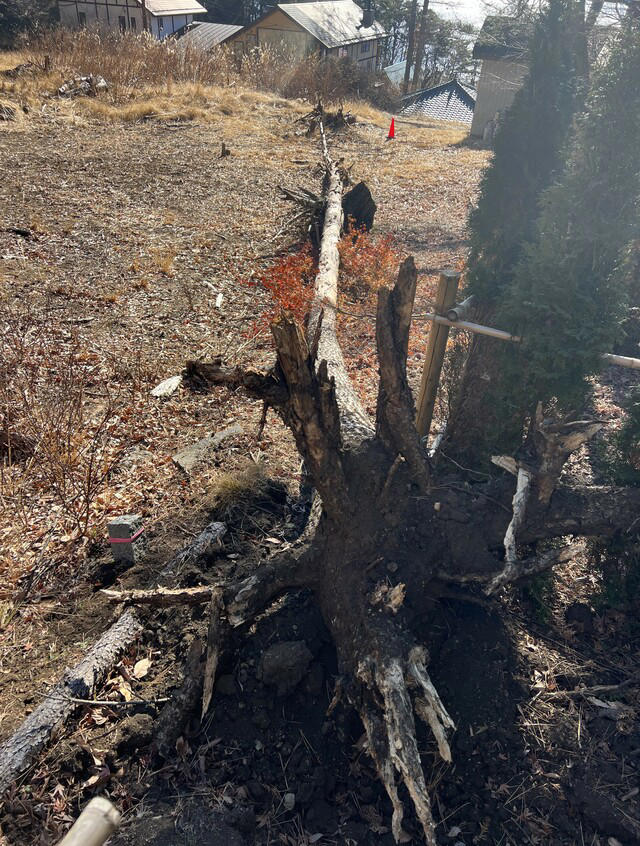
206, 36
334, 23
159, 8
449, 101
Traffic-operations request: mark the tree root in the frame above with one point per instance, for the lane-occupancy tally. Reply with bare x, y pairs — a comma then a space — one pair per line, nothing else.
387, 715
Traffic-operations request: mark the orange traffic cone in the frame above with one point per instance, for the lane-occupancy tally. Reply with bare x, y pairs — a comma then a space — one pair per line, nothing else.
392, 130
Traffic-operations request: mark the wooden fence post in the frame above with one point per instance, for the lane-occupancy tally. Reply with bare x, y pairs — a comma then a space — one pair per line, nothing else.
436, 346
95, 824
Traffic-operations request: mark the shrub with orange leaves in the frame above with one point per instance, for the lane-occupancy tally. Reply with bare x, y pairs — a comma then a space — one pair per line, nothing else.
289, 282
366, 262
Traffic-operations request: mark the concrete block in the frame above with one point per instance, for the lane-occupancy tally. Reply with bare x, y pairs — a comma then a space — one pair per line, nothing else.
127, 545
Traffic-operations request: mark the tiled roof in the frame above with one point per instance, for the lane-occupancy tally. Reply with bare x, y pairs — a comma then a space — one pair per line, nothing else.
449, 101
159, 8
205, 36
334, 23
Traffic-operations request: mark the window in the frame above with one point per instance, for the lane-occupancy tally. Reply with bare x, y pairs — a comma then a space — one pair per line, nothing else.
133, 24
82, 19
364, 47
122, 23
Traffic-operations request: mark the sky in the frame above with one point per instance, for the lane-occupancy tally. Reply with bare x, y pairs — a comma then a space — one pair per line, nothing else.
473, 11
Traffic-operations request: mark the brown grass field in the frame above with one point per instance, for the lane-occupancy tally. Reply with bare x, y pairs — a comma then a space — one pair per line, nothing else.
132, 226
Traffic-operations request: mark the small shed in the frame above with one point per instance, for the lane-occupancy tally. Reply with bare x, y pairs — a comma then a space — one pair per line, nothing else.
502, 46
450, 101
328, 27
205, 36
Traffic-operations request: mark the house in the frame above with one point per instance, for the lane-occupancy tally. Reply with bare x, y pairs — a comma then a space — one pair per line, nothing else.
327, 28
450, 101
502, 46
205, 36
159, 17
395, 72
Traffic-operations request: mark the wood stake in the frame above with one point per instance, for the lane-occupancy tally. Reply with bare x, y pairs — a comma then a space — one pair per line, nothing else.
94, 826
436, 346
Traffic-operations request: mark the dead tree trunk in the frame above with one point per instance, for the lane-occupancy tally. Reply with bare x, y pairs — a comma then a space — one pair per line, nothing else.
378, 499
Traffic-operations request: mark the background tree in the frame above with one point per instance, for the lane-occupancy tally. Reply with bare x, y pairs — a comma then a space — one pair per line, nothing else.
22, 17
504, 221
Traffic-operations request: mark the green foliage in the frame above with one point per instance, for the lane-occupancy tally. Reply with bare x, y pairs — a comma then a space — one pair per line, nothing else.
618, 560
569, 290
19, 17
539, 592
622, 453
527, 155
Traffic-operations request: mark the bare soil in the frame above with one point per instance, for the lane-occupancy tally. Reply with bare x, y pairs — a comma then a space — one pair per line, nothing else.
134, 231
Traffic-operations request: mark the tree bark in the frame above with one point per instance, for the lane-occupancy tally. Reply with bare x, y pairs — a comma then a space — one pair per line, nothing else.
19, 750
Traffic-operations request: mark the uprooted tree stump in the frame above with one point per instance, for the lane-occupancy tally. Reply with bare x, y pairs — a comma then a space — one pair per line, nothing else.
378, 499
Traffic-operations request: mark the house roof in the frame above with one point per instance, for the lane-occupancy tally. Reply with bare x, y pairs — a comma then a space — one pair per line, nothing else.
334, 23
503, 38
395, 72
205, 36
449, 101
159, 8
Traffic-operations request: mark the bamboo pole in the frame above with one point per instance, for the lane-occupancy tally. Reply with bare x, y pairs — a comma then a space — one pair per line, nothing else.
501, 335
436, 346
94, 826
476, 328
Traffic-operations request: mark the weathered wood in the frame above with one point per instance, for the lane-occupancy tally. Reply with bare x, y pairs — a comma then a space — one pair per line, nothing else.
354, 422
436, 347
178, 710
395, 409
161, 597
213, 649
95, 824
358, 207
553, 443
520, 499
202, 376
21, 748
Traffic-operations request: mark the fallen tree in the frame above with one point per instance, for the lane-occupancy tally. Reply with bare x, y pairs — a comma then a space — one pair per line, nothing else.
379, 498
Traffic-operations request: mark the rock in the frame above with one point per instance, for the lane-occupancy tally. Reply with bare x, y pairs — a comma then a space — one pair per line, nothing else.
289, 801
256, 791
134, 732
187, 458
284, 664
322, 817
168, 387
